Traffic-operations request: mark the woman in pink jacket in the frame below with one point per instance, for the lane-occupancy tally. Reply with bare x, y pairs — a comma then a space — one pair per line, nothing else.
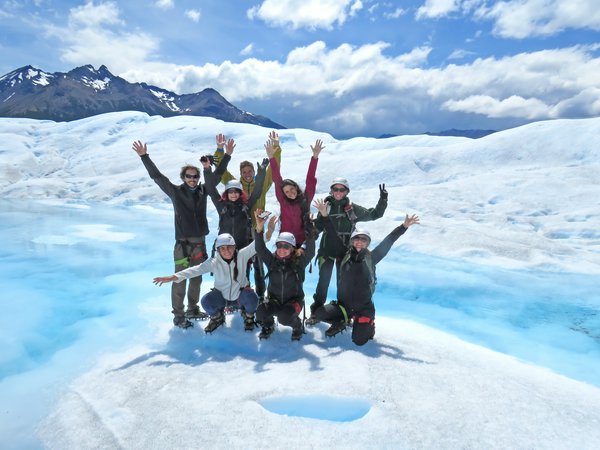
294, 216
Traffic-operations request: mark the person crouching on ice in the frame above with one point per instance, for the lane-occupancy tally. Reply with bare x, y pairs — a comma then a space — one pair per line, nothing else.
231, 287
356, 279
286, 270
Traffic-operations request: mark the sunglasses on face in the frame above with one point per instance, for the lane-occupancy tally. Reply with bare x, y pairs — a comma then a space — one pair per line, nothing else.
195, 177
360, 238
283, 245
338, 189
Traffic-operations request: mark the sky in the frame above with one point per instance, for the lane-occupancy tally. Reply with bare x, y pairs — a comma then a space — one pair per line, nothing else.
487, 312
345, 67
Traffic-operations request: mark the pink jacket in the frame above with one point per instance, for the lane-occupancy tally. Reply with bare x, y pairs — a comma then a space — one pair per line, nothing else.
291, 213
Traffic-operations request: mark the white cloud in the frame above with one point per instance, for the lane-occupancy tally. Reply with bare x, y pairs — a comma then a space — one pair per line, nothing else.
398, 12
365, 90
95, 34
247, 50
513, 106
164, 4
311, 14
460, 53
524, 18
193, 15
437, 8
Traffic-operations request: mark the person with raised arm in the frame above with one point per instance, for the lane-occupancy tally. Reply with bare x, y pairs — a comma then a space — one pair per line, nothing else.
356, 279
294, 215
231, 287
191, 228
286, 272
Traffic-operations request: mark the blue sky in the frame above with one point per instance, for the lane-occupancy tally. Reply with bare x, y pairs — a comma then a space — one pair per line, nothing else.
347, 67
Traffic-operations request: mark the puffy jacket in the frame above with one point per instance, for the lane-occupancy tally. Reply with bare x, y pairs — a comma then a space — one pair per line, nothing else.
286, 276
343, 214
224, 272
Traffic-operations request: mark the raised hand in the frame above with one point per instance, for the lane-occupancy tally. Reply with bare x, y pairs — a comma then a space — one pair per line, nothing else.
316, 149
229, 146
270, 148
220, 139
382, 192
139, 148
260, 220
408, 221
160, 280
262, 165
274, 137
321, 205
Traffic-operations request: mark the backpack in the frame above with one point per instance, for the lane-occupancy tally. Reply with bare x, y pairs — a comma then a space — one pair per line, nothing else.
369, 262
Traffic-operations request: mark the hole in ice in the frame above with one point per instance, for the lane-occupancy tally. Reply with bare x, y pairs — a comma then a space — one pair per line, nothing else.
336, 409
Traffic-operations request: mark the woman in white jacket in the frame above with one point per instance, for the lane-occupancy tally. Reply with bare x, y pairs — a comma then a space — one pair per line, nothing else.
231, 286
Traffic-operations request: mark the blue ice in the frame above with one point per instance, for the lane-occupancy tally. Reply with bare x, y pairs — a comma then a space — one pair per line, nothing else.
322, 407
76, 282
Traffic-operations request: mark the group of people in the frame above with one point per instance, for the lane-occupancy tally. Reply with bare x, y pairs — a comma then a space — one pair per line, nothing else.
241, 245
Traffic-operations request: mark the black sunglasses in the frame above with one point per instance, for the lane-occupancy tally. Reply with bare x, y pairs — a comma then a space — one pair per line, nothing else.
195, 177
360, 238
338, 189
283, 245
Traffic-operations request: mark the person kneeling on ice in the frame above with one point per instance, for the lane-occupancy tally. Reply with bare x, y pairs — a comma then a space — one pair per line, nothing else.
356, 279
286, 270
231, 286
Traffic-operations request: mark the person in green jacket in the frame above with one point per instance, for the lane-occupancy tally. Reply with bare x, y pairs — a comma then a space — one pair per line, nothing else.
247, 179
343, 214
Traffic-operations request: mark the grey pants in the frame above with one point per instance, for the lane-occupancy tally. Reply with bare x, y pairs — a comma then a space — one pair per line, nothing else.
190, 252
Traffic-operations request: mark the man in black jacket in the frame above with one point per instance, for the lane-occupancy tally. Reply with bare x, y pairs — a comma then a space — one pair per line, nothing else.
191, 227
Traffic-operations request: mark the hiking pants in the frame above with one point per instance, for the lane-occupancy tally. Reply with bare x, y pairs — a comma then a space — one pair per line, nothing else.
287, 314
325, 271
363, 327
214, 301
190, 252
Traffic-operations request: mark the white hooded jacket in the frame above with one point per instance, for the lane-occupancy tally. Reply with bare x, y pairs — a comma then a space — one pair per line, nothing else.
223, 272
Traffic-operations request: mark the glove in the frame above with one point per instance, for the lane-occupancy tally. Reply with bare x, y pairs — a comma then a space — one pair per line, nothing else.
382, 192
265, 163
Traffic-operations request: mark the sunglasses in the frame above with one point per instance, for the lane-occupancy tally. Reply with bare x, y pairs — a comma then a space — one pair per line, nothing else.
195, 177
360, 238
338, 189
283, 245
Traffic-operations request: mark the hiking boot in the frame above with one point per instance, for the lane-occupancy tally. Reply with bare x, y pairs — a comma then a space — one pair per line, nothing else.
335, 328
215, 322
249, 323
312, 320
297, 333
182, 322
265, 332
196, 314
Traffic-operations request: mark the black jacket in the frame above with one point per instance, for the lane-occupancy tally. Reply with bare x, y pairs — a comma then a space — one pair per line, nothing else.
344, 216
234, 217
355, 279
286, 276
189, 206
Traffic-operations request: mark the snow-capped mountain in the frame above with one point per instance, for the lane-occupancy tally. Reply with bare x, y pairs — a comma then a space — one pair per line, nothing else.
84, 91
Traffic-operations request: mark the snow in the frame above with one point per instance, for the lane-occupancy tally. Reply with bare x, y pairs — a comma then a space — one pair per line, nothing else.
488, 329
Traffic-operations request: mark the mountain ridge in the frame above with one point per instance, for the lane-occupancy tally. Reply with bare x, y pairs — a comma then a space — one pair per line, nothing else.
29, 92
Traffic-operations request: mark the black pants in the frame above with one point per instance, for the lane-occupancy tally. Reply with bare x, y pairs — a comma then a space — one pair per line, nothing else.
287, 314
325, 272
363, 327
